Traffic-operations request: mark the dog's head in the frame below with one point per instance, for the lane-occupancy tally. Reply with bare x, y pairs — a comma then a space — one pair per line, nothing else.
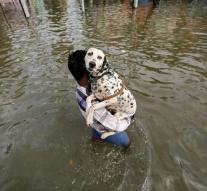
95, 61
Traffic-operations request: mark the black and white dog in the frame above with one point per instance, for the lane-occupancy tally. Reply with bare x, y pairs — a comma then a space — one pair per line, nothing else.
108, 87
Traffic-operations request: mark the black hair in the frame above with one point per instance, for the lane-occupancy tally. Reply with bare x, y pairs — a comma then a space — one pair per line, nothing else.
76, 64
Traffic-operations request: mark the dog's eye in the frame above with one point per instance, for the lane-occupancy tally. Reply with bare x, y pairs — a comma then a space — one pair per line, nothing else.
99, 57
90, 53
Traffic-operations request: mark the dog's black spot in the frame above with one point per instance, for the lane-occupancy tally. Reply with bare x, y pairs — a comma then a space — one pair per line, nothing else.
99, 90
90, 53
107, 90
94, 87
99, 57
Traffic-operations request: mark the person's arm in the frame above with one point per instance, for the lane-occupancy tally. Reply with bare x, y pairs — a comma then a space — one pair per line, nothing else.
102, 115
95, 106
111, 122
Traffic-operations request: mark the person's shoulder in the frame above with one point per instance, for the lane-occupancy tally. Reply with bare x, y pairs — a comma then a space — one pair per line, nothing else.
81, 89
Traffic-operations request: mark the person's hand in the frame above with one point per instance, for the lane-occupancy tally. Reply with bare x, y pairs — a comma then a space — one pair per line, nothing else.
112, 111
95, 106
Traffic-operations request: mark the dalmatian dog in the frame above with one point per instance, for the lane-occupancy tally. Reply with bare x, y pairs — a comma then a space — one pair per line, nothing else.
108, 87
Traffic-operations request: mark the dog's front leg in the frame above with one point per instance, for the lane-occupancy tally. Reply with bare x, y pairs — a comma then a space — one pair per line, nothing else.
89, 103
89, 119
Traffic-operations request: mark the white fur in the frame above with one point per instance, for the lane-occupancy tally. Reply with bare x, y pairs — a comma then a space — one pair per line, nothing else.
97, 57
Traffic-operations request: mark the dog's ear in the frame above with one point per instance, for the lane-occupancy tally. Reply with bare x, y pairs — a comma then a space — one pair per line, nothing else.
106, 63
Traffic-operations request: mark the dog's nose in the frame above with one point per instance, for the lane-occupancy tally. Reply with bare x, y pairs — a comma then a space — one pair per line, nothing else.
92, 64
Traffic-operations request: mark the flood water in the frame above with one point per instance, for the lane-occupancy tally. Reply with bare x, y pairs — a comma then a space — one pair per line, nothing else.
162, 52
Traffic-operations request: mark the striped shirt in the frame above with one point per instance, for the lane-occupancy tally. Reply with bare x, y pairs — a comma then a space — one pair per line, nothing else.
103, 119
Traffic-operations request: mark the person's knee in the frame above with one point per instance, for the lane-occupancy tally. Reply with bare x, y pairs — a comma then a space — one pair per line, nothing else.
121, 139
125, 142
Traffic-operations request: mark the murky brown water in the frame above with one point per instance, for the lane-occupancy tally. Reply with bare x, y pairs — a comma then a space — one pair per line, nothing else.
44, 142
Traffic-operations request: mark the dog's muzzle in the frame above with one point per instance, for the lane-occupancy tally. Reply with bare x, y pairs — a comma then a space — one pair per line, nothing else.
92, 65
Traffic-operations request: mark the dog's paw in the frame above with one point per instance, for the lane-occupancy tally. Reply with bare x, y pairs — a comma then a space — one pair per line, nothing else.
88, 101
89, 116
88, 106
88, 122
87, 112
107, 134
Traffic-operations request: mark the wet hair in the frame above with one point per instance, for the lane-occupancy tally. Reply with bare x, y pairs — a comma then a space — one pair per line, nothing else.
76, 64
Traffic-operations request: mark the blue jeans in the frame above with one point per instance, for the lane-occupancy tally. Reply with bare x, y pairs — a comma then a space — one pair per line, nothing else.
120, 138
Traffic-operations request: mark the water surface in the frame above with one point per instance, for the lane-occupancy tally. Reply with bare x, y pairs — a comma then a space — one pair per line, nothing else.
161, 51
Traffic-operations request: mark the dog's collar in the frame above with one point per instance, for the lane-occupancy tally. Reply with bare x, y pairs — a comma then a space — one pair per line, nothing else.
95, 78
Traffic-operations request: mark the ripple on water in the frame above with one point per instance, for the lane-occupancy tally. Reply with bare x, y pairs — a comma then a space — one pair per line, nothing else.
120, 169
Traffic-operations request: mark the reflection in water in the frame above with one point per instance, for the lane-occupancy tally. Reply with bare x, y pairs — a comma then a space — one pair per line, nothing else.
12, 10
56, 9
39, 5
161, 51
142, 12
